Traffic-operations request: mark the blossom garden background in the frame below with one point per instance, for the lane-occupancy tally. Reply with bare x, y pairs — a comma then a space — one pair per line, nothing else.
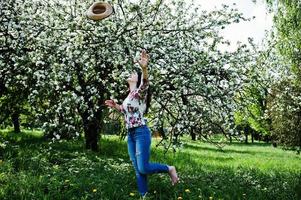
230, 120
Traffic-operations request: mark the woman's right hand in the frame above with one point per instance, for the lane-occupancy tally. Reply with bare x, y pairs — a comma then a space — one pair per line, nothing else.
144, 58
111, 103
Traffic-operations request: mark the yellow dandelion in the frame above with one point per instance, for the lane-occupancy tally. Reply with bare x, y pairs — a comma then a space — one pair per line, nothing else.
187, 190
132, 194
180, 198
94, 190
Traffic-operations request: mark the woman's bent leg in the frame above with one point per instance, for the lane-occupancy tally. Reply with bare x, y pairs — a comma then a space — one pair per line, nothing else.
143, 143
141, 179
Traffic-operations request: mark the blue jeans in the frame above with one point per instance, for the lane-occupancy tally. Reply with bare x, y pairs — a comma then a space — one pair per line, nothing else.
139, 142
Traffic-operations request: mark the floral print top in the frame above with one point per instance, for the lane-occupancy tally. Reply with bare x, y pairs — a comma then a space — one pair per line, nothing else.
134, 106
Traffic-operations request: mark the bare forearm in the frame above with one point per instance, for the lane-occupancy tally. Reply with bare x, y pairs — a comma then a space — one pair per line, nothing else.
145, 72
144, 58
112, 104
118, 107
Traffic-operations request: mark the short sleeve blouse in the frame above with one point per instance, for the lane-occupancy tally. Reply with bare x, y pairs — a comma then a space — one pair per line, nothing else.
134, 105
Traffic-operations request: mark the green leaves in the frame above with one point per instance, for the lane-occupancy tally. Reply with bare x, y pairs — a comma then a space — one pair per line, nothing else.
285, 92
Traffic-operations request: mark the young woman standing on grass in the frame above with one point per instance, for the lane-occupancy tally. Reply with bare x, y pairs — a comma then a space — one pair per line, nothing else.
139, 136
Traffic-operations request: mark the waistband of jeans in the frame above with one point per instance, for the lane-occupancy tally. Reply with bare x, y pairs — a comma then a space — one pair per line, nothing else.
134, 128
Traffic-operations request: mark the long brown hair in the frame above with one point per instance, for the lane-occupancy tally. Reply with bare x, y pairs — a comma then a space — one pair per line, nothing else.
148, 93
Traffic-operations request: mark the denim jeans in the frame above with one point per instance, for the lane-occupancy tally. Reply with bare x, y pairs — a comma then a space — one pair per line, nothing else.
139, 142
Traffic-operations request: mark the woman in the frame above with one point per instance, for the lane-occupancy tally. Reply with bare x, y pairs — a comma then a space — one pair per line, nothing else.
139, 135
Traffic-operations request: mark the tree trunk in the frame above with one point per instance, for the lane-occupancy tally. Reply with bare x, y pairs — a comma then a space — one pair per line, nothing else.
299, 143
16, 123
91, 130
252, 135
246, 140
192, 134
246, 131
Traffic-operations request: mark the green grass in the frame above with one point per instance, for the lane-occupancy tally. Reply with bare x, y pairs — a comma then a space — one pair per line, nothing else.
33, 168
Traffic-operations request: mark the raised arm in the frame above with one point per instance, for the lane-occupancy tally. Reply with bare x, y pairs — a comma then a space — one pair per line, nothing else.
143, 62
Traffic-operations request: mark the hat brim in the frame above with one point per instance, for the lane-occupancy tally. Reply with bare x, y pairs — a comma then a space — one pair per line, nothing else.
99, 11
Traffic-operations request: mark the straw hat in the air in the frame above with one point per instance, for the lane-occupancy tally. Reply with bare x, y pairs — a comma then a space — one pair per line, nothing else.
99, 11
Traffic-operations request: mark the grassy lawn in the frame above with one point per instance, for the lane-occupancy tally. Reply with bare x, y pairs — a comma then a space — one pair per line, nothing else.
33, 168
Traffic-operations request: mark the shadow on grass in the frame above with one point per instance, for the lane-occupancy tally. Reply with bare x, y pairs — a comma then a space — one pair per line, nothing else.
255, 144
224, 150
215, 149
23, 136
113, 148
107, 147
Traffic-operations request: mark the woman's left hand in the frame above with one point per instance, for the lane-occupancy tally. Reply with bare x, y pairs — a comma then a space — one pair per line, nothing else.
144, 58
111, 103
